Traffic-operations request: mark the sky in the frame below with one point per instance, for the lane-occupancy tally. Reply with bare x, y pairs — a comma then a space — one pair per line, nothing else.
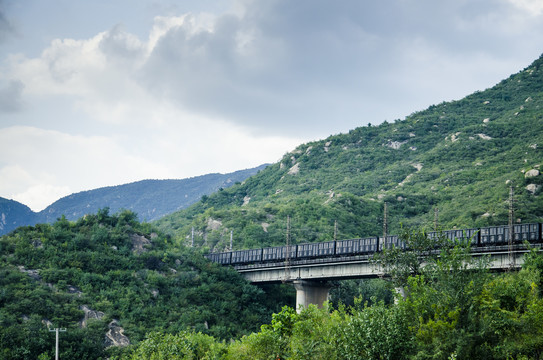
106, 92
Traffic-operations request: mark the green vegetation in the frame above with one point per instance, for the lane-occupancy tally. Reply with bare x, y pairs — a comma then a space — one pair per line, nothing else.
453, 309
460, 157
116, 269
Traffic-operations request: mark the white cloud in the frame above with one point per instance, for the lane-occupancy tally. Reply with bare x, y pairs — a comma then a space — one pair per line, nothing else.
40, 196
534, 7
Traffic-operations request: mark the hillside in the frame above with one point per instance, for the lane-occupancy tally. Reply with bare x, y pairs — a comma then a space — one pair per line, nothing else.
149, 199
459, 157
110, 280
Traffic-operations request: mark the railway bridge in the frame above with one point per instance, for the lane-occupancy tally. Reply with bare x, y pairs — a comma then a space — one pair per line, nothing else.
310, 267
311, 277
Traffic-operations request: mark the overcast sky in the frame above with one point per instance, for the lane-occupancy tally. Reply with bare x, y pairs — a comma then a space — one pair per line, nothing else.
105, 92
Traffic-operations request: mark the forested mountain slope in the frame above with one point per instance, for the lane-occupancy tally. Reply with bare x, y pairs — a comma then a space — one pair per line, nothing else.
109, 274
149, 199
460, 157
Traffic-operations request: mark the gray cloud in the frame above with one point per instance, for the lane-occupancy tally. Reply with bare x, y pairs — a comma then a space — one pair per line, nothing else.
11, 96
291, 65
6, 28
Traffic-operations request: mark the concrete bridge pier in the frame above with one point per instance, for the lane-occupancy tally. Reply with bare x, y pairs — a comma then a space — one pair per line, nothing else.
311, 292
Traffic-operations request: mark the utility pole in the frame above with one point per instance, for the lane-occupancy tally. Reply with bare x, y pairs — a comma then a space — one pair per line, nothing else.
231, 237
335, 230
511, 228
192, 238
436, 216
385, 225
287, 254
56, 340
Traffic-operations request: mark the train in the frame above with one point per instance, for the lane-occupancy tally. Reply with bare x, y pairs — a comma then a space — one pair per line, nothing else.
480, 238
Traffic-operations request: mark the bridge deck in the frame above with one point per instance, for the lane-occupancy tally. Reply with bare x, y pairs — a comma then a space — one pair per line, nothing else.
352, 267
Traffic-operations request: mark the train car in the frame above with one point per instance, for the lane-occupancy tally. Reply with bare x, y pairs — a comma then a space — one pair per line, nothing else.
458, 236
313, 250
223, 258
527, 232
357, 246
279, 253
246, 256
392, 241
494, 235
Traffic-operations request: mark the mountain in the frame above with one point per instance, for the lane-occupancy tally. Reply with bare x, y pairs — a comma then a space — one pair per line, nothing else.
109, 280
14, 214
451, 165
150, 199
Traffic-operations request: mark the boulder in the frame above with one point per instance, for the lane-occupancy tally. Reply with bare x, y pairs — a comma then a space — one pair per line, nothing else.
115, 336
531, 173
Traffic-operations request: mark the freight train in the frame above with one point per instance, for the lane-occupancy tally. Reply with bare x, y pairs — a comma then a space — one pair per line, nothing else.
481, 238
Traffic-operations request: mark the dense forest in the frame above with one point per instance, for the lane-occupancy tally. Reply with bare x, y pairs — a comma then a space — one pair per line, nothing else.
110, 273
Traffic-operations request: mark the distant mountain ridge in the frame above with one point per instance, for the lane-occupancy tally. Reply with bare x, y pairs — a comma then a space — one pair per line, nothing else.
150, 199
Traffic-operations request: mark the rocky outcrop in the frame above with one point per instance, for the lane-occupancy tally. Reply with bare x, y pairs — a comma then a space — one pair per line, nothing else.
395, 144
34, 274
213, 224
89, 314
294, 170
115, 335
139, 243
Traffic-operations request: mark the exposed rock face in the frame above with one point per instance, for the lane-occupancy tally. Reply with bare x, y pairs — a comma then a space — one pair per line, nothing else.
454, 137
395, 144
484, 137
294, 170
139, 243
213, 224
115, 336
246, 200
532, 188
34, 274
89, 314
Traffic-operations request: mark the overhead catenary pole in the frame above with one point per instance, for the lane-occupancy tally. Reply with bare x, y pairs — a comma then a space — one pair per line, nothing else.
436, 218
385, 224
335, 230
287, 252
56, 330
231, 238
511, 236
